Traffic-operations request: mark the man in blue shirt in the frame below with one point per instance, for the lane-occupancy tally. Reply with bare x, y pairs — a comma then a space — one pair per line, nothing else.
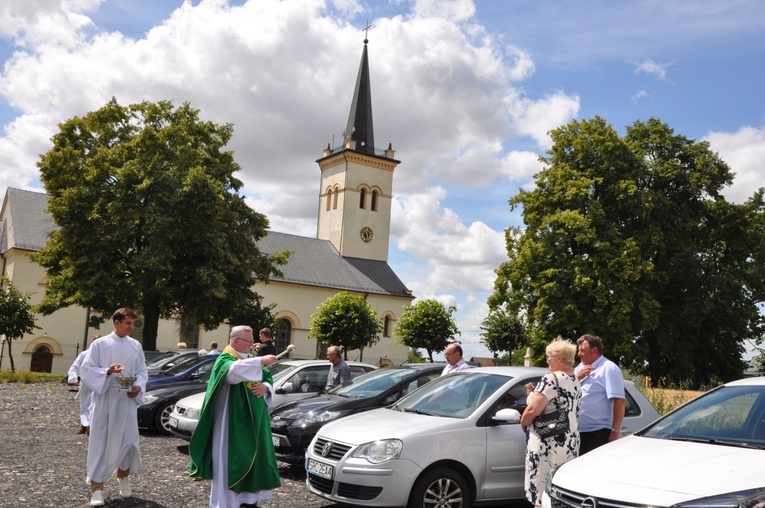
602, 410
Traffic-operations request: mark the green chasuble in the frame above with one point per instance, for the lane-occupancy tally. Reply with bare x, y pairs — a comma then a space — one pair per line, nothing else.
251, 461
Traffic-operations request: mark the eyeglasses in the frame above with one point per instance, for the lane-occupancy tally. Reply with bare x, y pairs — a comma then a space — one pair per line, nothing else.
245, 340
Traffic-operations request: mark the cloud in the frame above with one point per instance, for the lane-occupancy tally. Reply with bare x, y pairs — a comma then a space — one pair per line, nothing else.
744, 152
652, 68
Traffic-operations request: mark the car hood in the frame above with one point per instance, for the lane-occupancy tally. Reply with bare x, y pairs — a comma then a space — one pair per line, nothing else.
193, 401
660, 472
382, 424
297, 408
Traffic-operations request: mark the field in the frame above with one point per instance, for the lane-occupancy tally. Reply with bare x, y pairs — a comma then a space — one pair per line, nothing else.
666, 399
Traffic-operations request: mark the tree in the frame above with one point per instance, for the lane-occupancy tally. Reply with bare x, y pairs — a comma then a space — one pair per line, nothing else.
16, 316
503, 331
630, 238
149, 216
347, 321
428, 325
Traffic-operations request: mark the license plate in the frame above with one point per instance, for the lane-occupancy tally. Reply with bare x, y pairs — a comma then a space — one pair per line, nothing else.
275, 439
172, 422
320, 469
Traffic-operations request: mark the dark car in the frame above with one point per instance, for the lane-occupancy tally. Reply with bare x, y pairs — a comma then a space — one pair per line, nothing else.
188, 370
155, 413
164, 361
294, 424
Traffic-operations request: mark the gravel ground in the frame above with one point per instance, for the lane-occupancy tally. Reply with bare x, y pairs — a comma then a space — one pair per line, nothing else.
42, 460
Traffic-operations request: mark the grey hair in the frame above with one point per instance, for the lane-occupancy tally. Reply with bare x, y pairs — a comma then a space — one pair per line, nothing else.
335, 350
238, 331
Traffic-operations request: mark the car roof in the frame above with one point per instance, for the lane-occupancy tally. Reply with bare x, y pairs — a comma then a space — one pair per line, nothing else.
748, 381
299, 363
507, 371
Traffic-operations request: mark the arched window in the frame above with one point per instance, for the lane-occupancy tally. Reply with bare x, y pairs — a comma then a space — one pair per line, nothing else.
374, 201
362, 198
329, 197
386, 326
337, 193
283, 336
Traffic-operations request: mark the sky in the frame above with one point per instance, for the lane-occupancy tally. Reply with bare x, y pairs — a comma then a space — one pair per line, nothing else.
465, 91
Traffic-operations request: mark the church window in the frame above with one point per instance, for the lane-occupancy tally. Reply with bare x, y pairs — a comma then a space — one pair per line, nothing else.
374, 201
362, 198
337, 193
386, 326
283, 336
329, 197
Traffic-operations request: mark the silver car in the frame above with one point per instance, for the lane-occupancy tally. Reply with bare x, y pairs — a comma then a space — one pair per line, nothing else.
454, 442
293, 380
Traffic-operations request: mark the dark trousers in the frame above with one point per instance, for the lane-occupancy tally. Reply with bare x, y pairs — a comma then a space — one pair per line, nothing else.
591, 440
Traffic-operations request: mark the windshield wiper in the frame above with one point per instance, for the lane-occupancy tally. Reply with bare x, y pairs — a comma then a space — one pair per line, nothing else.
722, 442
417, 411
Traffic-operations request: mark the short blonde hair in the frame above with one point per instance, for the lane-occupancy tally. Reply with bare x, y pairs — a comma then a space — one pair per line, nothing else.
563, 349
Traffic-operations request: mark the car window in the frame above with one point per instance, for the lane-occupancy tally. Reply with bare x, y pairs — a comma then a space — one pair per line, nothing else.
455, 396
183, 365
631, 407
729, 413
515, 397
357, 370
160, 359
279, 370
373, 383
417, 383
313, 379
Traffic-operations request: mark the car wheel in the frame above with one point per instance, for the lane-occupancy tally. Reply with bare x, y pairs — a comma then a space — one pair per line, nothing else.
162, 417
441, 487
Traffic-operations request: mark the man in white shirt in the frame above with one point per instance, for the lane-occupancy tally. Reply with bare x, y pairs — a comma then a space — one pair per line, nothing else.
455, 362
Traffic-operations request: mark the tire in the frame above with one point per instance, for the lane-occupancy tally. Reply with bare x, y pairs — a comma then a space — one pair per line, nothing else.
162, 417
443, 488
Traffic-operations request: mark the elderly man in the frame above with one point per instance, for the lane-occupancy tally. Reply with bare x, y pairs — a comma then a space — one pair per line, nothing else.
602, 410
339, 372
113, 444
232, 443
454, 360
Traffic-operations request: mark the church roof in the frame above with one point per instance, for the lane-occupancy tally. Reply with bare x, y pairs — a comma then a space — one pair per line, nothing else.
25, 223
317, 263
313, 262
360, 127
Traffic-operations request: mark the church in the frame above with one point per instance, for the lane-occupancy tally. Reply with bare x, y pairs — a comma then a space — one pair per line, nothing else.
349, 253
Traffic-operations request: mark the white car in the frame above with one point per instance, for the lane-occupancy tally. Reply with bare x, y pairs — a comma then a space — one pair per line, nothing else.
452, 443
709, 452
293, 380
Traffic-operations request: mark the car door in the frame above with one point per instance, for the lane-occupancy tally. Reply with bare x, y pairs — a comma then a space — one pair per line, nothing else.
506, 447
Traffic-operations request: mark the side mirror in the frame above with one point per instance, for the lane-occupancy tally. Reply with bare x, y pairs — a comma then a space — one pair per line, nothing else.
285, 388
507, 415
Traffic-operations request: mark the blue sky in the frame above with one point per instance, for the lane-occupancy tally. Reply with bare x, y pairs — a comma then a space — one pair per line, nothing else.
464, 90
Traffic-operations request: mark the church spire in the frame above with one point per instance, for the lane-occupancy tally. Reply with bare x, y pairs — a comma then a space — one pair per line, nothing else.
360, 128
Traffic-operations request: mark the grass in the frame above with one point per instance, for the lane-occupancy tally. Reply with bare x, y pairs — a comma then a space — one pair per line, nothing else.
667, 399
27, 377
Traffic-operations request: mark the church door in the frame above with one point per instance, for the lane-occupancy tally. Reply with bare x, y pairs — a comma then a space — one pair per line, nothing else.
42, 359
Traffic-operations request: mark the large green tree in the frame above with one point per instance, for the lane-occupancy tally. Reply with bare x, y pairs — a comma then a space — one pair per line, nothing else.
16, 316
149, 216
347, 321
428, 325
630, 238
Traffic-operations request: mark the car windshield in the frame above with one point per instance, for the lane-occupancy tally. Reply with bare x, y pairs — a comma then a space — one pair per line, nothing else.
280, 369
455, 396
159, 359
728, 415
183, 366
373, 383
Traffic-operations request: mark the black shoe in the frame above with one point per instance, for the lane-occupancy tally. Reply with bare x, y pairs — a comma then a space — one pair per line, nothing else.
248, 505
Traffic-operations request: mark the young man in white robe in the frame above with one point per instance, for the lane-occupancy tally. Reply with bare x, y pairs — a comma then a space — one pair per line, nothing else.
113, 445
84, 394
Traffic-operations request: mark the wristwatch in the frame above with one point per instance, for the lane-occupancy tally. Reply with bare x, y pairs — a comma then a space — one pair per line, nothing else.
616, 430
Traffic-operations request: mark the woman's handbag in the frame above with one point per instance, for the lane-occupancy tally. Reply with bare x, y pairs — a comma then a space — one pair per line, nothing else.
553, 423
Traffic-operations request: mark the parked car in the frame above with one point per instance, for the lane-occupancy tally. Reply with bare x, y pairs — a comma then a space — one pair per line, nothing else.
155, 413
186, 370
168, 359
293, 380
294, 424
708, 452
456, 437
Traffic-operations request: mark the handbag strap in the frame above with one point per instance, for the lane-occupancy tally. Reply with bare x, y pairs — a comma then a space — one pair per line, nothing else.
557, 388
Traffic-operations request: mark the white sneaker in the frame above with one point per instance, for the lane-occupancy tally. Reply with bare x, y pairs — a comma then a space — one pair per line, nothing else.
97, 498
125, 490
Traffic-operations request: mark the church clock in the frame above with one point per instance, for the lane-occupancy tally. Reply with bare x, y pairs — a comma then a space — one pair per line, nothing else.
366, 234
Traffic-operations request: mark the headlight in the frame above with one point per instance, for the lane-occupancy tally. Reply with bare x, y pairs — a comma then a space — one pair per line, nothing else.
192, 414
380, 451
317, 417
754, 498
150, 398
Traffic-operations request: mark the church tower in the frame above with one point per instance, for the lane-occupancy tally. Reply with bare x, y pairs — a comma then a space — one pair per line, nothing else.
357, 182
